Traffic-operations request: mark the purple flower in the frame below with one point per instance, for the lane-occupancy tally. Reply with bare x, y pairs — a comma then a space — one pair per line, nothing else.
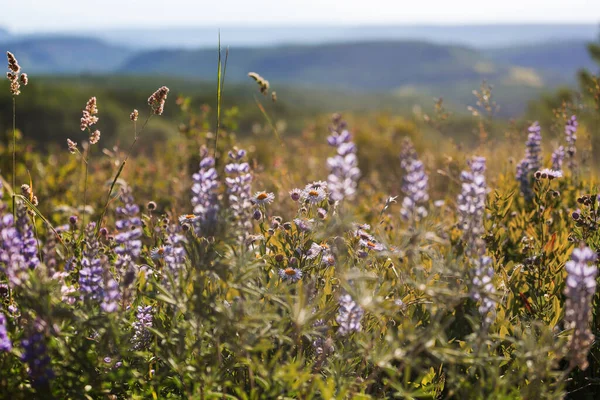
18, 246
349, 316
238, 190
571, 138
91, 274
580, 287
141, 335
128, 239
415, 184
471, 211
343, 167
558, 156
532, 160
5, 343
205, 199
290, 274
35, 355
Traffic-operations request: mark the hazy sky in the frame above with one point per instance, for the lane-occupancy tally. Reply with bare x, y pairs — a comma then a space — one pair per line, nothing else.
36, 15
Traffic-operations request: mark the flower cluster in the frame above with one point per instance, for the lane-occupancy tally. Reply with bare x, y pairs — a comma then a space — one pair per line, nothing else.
205, 199
238, 184
157, 100
18, 245
532, 160
579, 290
141, 334
343, 167
35, 355
128, 239
91, 273
5, 343
558, 156
471, 211
14, 76
415, 184
349, 315
263, 84
571, 137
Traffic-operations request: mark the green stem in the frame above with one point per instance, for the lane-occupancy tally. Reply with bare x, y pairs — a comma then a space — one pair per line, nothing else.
14, 156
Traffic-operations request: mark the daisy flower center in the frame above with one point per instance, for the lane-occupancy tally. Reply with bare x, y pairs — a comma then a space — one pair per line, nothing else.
313, 193
190, 216
290, 271
262, 196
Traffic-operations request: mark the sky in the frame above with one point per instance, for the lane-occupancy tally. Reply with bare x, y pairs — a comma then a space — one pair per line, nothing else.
27, 16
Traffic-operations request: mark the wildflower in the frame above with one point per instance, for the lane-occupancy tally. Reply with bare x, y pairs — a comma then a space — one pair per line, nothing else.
304, 224
322, 213
205, 199
290, 274
415, 184
295, 194
371, 245
532, 160
263, 84
72, 146
238, 189
471, 211
35, 355
262, 198
5, 343
128, 239
558, 156
89, 117
174, 254
316, 250
343, 167
95, 137
548, 174
349, 316
188, 218
157, 100
91, 279
314, 195
580, 287
13, 75
158, 253
141, 335
134, 115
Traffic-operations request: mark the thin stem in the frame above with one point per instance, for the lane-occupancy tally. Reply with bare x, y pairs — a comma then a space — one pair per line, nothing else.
14, 154
120, 170
86, 159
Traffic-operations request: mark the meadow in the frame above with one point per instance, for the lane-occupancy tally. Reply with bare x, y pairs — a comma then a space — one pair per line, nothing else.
369, 255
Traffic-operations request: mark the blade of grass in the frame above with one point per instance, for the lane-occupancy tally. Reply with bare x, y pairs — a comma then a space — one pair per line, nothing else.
264, 113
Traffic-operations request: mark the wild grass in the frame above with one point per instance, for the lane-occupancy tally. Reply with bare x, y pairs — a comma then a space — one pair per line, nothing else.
402, 266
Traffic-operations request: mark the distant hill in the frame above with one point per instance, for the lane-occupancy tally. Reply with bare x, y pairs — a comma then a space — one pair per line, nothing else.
371, 66
563, 58
66, 55
479, 36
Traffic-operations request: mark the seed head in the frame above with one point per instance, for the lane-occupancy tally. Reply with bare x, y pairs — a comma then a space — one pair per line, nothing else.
157, 100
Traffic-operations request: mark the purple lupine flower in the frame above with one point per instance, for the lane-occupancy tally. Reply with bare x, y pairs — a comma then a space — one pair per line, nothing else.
471, 212
415, 184
141, 335
532, 160
5, 343
580, 287
91, 273
175, 255
571, 137
129, 237
349, 315
343, 167
239, 191
35, 355
558, 156
112, 294
205, 199
18, 246
471, 205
